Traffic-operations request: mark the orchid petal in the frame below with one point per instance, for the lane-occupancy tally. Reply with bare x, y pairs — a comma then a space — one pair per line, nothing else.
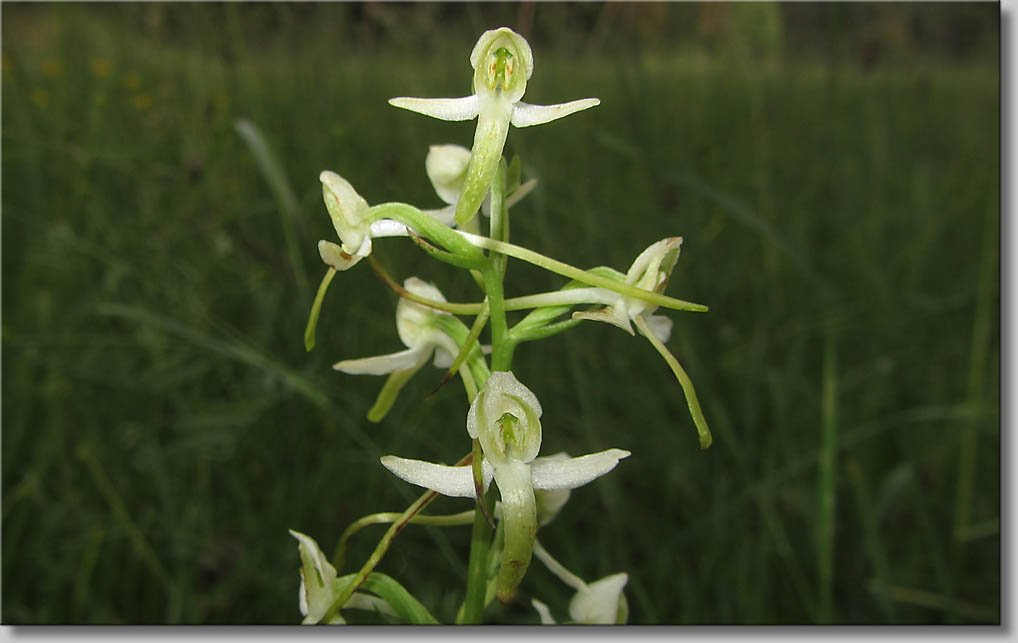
446, 166
525, 115
457, 482
317, 578
598, 603
660, 325
348, 211
335, 257
381, 364
446, 109
611, 315
446, 216
369, 603
388, 228
550, 474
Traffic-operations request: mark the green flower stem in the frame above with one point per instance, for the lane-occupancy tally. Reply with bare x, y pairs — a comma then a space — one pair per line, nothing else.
458, 331
316, 309
586, 277
500, 358
492, 274
386, 517
383, 546
475, 333
480, 543
687, 384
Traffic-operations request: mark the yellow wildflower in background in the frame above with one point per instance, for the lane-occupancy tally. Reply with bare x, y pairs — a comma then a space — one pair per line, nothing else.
100, 67
52, 68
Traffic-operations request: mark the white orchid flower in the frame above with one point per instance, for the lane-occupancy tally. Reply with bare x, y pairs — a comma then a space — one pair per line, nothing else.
649, 271
446, 166
502, 63
415, 324
505, 419
599, 603
318, 586
354, 225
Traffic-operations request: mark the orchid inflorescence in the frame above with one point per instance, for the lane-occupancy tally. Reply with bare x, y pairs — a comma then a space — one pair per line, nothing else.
504, 419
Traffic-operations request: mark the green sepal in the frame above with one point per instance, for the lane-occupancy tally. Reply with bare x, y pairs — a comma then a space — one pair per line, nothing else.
316, 309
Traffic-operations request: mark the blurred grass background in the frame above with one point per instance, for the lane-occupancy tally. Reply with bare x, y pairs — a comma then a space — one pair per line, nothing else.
833, 170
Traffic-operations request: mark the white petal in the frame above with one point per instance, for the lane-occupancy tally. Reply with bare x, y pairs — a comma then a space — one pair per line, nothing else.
543, 611
449, 481
612, 315
525, 115
445, 215
388, 228
446, 109
660, 325
360, 601
549, 474
382, 364
335, 257
316, 579
446, 166
598, 603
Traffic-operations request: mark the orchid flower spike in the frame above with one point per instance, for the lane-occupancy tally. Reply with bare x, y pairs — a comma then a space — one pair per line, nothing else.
318, 588
650, 271
353, 222
505, 419
418, 331
502, 63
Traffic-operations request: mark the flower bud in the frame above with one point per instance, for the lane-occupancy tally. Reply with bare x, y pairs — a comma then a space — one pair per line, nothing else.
413, 320
348, 210
447, 168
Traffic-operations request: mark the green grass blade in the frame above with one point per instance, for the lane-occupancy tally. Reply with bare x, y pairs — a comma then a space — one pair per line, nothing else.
827, 482
289, 207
